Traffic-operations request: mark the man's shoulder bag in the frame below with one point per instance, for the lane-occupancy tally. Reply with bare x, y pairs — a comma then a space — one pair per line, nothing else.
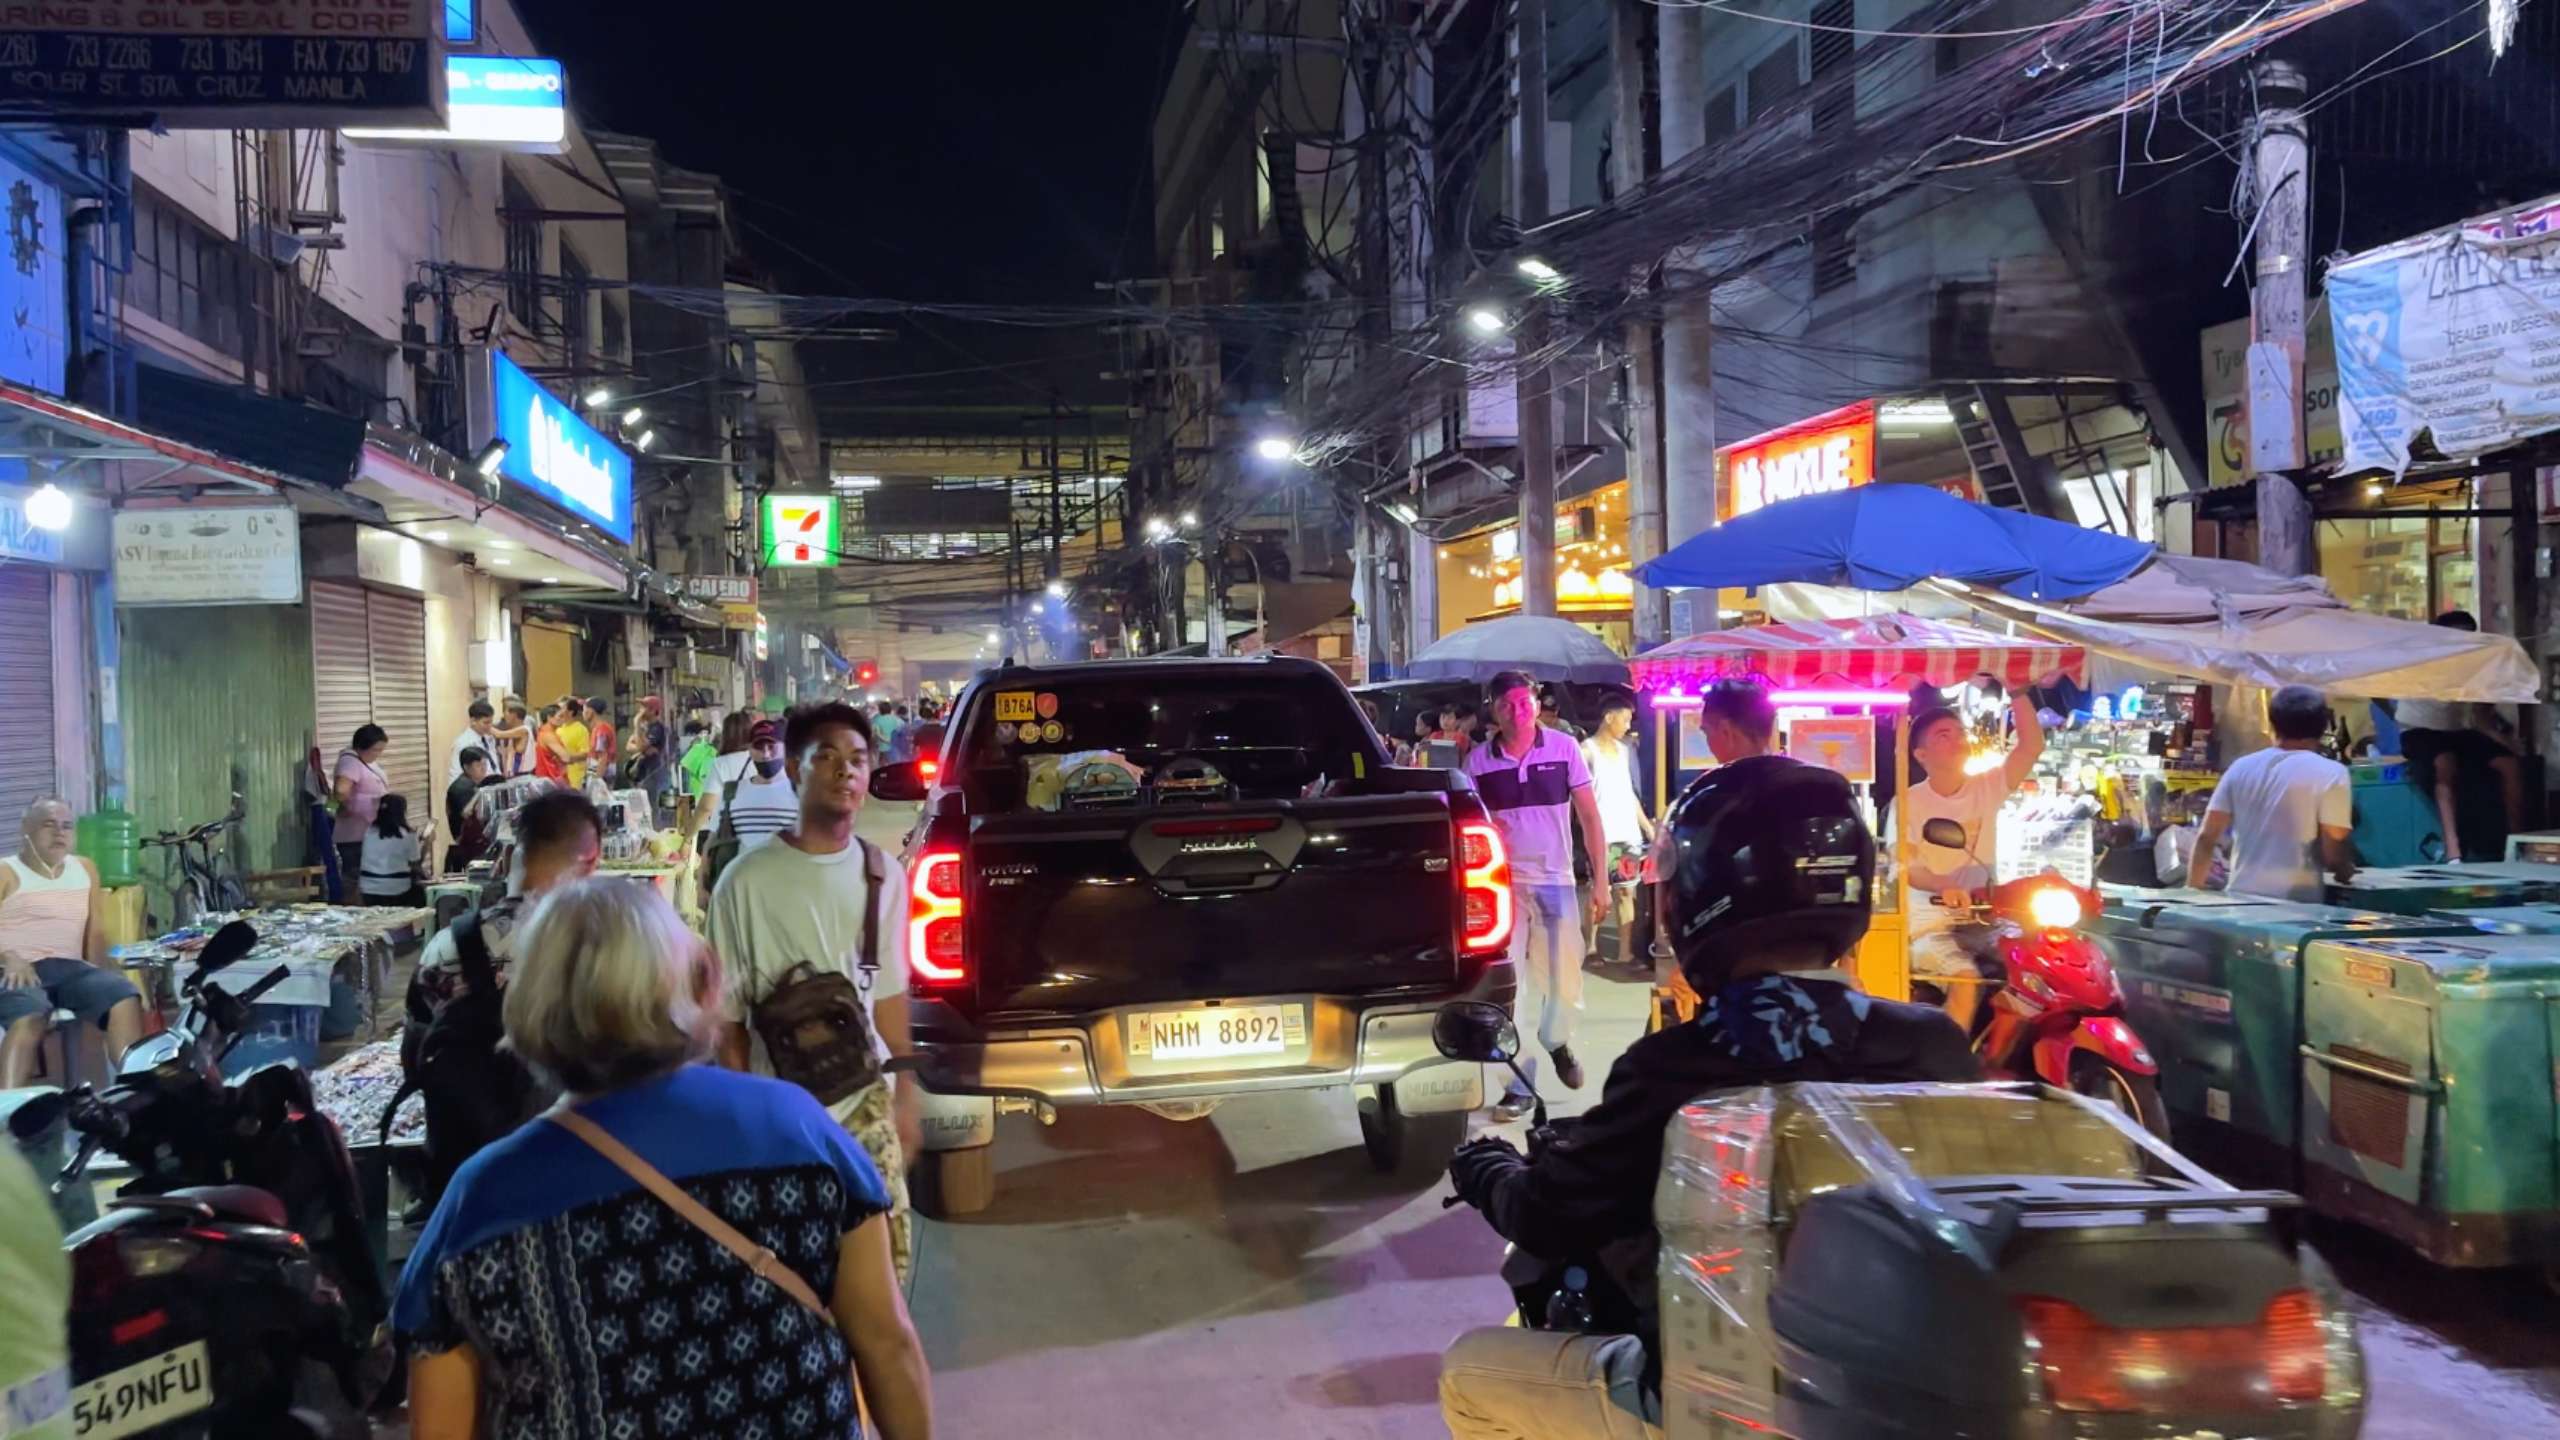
816, 1024
723, 845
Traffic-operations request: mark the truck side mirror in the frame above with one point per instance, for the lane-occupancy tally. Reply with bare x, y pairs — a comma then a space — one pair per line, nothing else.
1474, 1030
904, 782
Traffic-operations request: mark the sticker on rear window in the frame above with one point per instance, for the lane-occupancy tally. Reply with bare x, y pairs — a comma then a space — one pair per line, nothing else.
1016, 706
1046, 705
1004, 732
1053, 732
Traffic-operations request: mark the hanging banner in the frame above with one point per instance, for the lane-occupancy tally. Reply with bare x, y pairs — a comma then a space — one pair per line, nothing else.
234, 555
734, 594
2454, 335
227, 64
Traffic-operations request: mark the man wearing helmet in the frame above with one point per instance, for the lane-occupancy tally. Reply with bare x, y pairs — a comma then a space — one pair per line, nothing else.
1768, 882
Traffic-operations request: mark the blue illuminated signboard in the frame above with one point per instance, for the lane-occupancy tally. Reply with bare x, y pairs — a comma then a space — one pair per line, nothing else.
213, 64
461, 21
557, 455
518, 102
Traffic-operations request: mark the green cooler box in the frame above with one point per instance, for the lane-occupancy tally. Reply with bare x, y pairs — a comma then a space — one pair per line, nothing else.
2428, 1108
2417, 889
2542, 918
2212, 984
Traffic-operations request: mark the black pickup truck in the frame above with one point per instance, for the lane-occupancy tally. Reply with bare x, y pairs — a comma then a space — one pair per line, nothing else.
1169, 882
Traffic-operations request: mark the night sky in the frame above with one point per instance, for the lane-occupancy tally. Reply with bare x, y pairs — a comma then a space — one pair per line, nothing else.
986, 152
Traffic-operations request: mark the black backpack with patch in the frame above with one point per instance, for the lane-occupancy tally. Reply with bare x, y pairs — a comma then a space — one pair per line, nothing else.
475, 1092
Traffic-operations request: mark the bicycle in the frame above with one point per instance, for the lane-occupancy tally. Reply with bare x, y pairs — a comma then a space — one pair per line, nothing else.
193, 875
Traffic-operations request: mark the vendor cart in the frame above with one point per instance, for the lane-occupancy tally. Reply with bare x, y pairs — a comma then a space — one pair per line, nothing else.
1841, 687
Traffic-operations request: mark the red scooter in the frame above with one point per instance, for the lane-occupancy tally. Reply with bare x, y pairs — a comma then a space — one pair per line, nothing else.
2057, 1014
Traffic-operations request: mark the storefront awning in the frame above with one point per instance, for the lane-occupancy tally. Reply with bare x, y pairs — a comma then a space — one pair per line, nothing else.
57, 440
426, 494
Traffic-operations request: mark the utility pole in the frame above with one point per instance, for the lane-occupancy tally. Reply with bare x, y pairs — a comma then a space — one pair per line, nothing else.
1536, 400
2281, 161
1629, 20
1057, 518
1689, 500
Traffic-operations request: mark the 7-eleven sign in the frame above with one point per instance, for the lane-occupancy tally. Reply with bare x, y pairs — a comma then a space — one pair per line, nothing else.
800, 531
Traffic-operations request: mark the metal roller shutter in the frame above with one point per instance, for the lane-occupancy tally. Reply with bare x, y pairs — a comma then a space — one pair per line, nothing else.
341, 667
26, 694
398, 625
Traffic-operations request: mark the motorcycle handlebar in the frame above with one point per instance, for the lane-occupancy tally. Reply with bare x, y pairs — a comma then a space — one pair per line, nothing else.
267, 982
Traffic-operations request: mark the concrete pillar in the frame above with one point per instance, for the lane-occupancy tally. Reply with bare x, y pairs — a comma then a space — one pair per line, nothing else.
1689, 499
1536, 391
2281, 157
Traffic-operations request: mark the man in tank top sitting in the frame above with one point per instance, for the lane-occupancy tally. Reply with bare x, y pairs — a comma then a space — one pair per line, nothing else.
53, 947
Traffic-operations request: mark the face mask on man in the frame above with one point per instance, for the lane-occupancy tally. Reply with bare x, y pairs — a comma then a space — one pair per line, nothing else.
769, 768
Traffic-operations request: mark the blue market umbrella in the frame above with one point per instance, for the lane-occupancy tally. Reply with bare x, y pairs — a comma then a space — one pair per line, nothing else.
1891, 537
1541, 646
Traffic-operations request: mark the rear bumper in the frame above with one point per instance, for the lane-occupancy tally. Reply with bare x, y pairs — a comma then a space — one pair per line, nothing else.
1084, 1061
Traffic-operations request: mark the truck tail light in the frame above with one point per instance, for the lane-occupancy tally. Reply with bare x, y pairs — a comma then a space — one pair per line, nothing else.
2090, 1366
937, 943
1484, 889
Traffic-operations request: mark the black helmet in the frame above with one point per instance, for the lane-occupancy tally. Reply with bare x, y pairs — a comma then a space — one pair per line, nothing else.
1765, 852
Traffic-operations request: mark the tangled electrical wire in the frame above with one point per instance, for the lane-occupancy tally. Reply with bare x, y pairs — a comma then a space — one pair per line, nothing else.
1746, 201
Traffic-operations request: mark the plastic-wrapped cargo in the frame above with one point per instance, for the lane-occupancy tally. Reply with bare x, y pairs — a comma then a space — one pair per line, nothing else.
1866, 1260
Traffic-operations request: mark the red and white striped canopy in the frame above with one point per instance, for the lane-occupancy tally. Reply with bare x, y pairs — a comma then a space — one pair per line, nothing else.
1871, 652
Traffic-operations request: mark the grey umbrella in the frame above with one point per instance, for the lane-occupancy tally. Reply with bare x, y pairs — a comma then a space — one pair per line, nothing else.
1543, 647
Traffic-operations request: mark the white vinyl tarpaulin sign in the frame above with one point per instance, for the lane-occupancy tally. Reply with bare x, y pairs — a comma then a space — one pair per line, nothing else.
234, 555
2454, 335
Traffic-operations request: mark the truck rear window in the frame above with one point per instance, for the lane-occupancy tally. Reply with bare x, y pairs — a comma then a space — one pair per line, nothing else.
1178, 741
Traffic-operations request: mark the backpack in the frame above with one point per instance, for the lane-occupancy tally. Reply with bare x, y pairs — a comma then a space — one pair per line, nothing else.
723, 845
815, 1024
475, 1092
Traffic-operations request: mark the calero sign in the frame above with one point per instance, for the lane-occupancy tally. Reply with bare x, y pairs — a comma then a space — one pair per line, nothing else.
224, 64
1829, 452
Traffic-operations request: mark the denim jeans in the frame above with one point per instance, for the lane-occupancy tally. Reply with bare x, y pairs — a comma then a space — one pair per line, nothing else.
1546, 951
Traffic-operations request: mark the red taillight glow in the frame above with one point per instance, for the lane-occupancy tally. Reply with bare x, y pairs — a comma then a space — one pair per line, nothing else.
125, 1332
1484, 866
937, 946
928, 769
2091, 1366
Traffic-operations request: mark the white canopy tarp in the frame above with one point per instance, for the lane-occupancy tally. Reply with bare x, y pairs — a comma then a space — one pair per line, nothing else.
2239, 624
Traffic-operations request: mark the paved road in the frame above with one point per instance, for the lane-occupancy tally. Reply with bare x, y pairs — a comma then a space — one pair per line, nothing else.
1247, 1275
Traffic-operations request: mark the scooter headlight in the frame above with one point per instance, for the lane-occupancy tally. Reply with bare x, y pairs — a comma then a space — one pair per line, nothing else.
2054, 908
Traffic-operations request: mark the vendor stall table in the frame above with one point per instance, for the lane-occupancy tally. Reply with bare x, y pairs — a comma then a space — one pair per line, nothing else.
315, 943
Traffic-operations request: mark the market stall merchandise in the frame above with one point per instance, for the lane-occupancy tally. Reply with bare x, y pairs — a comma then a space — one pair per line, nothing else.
317, 944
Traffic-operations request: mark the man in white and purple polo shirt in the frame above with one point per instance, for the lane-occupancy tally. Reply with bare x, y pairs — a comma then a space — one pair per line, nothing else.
1534, 781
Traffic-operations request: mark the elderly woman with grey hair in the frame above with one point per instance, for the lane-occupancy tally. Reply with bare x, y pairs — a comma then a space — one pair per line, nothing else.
648, 1257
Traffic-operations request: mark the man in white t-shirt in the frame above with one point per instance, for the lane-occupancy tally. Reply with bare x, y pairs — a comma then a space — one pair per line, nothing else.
804, 897
1534, 782
1610, 756
2289, 810
1943, 881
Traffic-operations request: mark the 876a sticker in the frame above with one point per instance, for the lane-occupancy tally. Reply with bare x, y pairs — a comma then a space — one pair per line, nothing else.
1016, 706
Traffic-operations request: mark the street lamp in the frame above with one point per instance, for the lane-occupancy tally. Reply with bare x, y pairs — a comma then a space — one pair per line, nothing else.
1157, 529
1057, 589
632, 415
1539, 270
49, 508
486, 462
1485, 320
1274, 447
1190, 519
647, 439
599, 397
